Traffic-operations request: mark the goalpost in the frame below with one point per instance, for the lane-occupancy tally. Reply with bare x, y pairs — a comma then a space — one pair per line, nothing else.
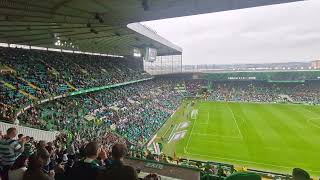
191, 112
194, 114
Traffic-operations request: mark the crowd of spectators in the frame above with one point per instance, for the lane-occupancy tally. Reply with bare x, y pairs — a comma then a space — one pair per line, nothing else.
134, 111
27, 159
24, 158
29, 75
131, 114
96, 128
193, 86
10, 100
252, 91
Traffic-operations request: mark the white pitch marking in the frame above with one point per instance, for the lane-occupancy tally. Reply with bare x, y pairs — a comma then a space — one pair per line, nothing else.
207, 121
179, 125
194, 123
216, 135
171, 134
235, 121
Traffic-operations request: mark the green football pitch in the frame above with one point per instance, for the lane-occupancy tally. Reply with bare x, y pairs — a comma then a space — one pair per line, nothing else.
271, 137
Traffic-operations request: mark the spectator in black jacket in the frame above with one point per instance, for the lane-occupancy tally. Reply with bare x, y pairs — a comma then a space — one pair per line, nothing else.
88, 168
117, 170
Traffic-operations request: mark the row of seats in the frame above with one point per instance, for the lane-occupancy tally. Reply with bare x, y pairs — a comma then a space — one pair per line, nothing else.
41, 74
104, 159
134, 111
257, 91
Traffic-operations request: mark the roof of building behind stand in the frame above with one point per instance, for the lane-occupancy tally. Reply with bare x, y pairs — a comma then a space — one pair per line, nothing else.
101, 26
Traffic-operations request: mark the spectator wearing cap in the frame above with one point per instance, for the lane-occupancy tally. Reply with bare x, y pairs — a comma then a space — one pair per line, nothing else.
117, 170
37, 162
10, 149
89, 168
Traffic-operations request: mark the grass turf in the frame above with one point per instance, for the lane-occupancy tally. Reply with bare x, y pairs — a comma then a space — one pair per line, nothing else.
272, 137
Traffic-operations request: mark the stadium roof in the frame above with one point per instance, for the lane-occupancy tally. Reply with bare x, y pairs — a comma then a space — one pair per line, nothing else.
101, 25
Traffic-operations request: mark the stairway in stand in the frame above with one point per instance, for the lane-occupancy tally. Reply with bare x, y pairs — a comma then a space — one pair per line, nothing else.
20, 91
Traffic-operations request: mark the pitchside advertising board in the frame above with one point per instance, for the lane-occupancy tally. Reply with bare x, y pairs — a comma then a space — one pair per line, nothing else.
242, 78
150, 54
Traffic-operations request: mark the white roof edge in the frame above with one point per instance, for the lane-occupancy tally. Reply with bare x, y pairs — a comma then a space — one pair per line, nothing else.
143, 30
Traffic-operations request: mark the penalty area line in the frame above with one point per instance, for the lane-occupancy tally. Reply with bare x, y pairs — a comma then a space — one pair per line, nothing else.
235, 121
172, 133
217, 135
193, 124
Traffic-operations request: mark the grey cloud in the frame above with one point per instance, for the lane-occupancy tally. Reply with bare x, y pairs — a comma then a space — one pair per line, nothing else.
279, 33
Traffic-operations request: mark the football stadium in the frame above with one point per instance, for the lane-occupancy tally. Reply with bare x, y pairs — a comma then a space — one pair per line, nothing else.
89, 91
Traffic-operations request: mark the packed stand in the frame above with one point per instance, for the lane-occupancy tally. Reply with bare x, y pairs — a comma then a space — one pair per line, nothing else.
24, 158
251, 91
10, 100
134, 111
188, 87
31, 75
193, 86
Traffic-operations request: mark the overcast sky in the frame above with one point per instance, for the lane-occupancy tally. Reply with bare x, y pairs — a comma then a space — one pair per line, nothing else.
277, 33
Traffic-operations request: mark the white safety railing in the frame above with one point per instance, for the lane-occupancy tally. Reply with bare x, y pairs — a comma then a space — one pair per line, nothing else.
26, 131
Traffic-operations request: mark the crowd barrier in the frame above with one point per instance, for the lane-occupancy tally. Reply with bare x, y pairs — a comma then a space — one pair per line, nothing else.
36, 133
